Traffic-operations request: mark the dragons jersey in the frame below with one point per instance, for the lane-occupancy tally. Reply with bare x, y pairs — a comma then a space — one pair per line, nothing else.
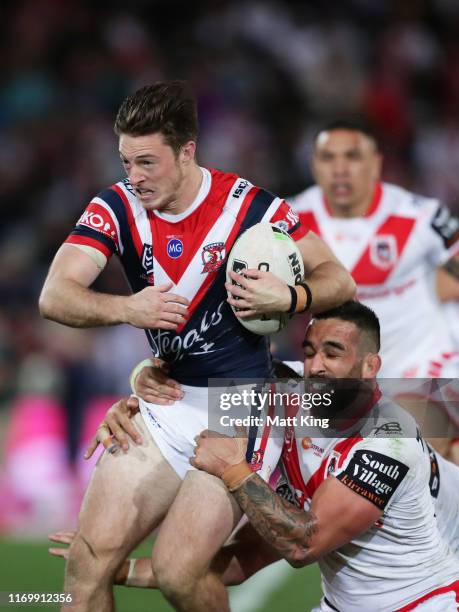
190, 251
444, 488
389, 253
402, 557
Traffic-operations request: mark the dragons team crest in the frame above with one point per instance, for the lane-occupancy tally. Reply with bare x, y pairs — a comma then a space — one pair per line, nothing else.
213, 256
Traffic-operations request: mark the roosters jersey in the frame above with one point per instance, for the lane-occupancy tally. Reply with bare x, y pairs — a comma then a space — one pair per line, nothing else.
189, 250
402, 557
390, 252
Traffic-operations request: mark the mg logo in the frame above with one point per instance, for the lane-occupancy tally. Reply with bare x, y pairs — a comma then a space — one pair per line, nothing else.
175, 248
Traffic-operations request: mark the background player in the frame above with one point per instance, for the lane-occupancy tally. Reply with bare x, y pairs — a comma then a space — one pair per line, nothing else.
160, 220
391, 241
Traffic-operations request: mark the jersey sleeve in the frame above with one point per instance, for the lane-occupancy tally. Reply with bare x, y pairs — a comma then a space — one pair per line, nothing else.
444, 229
97, 227
287, 219
374, 469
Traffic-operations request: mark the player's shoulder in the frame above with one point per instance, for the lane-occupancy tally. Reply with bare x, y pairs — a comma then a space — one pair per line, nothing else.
408, 202
392, 432
306, 199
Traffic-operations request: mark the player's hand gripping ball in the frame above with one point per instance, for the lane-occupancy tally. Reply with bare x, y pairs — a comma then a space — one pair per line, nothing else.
266, 247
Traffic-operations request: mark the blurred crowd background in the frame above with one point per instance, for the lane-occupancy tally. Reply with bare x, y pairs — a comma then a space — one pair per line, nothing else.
266, 75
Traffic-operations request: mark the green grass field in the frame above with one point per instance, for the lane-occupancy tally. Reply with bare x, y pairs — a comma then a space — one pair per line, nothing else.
27, 567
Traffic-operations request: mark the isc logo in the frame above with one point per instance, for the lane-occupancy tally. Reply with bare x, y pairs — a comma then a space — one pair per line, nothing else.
240, 188
174, 248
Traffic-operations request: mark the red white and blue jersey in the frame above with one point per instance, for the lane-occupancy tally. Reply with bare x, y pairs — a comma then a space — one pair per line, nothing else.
190, 250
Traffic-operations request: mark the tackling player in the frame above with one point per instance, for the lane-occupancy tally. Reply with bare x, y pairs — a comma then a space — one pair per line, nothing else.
363, 500
172, 223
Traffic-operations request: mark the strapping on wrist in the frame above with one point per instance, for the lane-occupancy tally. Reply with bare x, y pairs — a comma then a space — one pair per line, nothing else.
146, 363
301, 298
235, 475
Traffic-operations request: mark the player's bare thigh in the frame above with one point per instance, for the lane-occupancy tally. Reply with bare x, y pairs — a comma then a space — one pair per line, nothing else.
199, 521
128, 495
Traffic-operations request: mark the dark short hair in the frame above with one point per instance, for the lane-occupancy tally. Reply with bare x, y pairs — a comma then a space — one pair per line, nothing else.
166, 107
364, 318
352, 124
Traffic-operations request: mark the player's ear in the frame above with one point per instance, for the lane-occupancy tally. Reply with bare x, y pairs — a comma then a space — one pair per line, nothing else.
187, 152
371, 365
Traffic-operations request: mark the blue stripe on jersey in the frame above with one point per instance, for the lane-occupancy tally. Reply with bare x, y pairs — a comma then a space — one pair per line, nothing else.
130, 260
257, 209
92, 233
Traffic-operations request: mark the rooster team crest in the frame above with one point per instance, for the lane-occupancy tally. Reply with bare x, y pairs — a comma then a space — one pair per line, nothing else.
213, 256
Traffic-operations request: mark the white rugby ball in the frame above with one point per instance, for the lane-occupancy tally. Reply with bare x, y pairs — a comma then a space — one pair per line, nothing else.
266, 247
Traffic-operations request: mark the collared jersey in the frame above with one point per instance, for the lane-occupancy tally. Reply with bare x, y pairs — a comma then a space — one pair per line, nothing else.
402, 557
189, 250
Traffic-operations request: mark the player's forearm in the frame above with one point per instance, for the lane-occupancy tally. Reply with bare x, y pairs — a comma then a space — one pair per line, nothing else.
331, 285
71, 304
286, 528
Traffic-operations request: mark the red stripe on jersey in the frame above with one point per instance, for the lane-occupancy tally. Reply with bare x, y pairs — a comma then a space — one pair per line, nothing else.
291, 464
291, 461
191, 232
285, 213
92, 242
267, 428
376, 199
451, 588
309, 220
228, 245
382, 254
132, 226
339, 452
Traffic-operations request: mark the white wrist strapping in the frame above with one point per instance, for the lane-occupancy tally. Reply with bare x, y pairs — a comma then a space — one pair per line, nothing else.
146, 363
130, 575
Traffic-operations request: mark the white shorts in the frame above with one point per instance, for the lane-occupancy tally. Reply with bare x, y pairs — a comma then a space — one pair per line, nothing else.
175, 427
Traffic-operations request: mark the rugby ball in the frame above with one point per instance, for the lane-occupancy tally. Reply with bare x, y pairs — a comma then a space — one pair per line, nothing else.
266, 247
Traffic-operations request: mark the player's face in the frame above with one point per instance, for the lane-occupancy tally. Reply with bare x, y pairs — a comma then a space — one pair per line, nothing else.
347, 166
332, 350
156, 173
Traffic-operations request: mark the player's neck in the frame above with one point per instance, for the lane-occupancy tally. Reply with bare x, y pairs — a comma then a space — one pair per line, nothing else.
189, 189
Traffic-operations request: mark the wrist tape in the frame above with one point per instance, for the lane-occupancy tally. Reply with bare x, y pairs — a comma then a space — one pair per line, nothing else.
146, 363
300, 300
236, 475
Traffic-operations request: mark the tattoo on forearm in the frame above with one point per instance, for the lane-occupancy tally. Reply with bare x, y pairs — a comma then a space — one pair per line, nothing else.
452, 267
288, 529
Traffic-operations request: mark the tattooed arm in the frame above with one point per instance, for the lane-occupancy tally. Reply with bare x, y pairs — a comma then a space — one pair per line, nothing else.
287, 528
337, 513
